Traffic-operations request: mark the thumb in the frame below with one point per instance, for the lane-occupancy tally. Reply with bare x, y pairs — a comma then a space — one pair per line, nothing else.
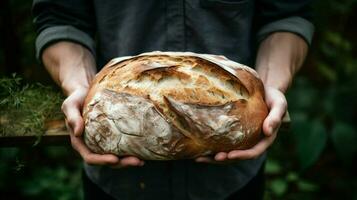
71, 107
277, 107
75, 121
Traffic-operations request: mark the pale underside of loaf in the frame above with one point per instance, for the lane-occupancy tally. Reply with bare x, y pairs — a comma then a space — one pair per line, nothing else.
162, 107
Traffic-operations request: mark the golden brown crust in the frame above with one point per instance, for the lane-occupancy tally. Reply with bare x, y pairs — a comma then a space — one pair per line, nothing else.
185, 105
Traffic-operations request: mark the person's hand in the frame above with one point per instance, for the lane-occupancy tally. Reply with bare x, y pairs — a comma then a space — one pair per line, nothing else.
280, 55
72, 67
72, 107
277, 106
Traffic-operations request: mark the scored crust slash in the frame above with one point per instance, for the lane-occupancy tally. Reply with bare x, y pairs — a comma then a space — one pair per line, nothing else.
173, 105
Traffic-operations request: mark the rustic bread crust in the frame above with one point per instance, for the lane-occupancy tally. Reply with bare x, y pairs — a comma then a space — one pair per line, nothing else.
173, 105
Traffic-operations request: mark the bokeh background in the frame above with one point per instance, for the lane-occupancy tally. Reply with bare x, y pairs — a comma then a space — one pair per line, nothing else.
315, 159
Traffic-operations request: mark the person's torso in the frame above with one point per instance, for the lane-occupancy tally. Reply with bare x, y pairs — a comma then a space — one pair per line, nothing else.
201, 26
132, 27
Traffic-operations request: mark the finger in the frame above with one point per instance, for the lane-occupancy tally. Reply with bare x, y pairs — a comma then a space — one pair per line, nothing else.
273, 120
204, 159
71, 107
92, 158
129, 161
74, 119
221, 156
254, 152
277, 106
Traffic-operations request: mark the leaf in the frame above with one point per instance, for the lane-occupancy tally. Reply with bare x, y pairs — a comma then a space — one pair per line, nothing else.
279, 187
344, 107
328, 102
344, 138
307, 186
302, 95
292, 177
310, 139
337, 40
272, 167
327, 71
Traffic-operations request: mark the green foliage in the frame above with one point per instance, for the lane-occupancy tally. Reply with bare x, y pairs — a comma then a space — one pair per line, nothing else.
310, 139
53, 183
40, 173
323, 106
333, 116
317, 159
344, 138
278, 186
25, 108
284, 181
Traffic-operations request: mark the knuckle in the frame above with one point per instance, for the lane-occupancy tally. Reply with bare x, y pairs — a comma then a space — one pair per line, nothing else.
70, 120
66, 105
69, 102
281, 101
284, 104
275, 120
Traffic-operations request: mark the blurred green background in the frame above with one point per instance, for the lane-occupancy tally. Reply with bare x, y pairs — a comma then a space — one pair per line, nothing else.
316, 159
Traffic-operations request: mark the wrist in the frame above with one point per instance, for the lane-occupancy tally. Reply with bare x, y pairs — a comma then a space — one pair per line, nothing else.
75, 77
278, 78
280, 84
279, 57
71, 66
69, 88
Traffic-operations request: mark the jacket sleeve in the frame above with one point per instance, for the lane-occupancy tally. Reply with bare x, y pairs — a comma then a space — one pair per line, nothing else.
284, 15
58, 20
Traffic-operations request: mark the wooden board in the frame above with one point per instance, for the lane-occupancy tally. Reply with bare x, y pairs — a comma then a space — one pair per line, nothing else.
57, 134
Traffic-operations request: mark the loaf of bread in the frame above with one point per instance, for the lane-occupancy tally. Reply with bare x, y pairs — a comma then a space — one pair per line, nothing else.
173, 105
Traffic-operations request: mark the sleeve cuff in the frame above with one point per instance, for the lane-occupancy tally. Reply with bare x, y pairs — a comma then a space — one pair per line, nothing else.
297, 25
58, 33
